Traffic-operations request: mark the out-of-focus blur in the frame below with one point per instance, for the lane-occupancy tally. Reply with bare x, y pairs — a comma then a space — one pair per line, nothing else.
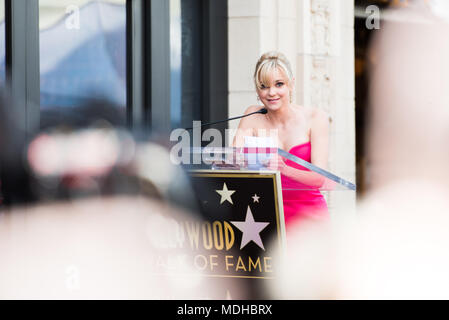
409, 98
99, 248
398, 245
90, 211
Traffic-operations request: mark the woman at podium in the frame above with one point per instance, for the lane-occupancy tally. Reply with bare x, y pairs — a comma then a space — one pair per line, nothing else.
300, 130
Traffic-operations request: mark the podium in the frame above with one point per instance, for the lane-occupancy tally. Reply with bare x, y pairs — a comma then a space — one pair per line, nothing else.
241, 203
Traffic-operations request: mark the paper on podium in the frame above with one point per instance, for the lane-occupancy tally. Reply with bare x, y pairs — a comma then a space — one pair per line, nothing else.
258, 151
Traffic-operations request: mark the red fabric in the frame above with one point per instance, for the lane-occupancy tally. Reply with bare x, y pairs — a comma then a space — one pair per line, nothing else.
301, 204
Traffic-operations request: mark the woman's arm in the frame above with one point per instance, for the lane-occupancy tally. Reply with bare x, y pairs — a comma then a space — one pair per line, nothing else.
309, 178
319, 138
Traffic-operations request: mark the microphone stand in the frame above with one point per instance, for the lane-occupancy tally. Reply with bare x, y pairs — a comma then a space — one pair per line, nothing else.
261, 111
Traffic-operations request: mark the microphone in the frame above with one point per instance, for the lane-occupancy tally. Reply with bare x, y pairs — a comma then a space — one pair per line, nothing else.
261, 111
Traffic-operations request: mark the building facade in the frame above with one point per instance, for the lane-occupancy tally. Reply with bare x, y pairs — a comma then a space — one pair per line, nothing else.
168, 63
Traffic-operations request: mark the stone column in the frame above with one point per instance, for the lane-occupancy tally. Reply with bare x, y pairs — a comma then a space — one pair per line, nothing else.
256, 26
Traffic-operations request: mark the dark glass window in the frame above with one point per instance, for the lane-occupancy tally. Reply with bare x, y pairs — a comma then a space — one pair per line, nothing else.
186, 62
2, 44
82, 53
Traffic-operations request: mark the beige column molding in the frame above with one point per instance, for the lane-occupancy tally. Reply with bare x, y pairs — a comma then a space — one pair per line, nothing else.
325, 80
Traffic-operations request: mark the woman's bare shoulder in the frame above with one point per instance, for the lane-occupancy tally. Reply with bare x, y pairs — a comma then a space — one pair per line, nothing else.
252, 120
248, 125
253, 108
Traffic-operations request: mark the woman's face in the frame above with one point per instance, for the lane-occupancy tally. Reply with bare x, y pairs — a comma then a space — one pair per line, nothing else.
275, 93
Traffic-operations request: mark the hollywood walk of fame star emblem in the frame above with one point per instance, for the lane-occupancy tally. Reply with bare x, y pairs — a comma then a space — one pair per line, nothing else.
225, 194
255, 198
250, 230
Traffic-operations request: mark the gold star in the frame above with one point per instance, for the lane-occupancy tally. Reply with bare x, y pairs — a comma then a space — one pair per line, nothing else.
225, 194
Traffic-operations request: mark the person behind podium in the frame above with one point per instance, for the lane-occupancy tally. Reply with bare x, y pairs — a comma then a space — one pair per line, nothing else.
301, 130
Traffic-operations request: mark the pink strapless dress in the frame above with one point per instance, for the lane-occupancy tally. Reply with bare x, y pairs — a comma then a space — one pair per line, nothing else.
301, 204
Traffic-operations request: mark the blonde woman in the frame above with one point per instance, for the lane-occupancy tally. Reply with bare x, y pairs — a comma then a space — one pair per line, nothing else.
300, 130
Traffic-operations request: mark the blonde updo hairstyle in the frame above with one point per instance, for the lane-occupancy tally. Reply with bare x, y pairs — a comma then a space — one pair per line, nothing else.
267, 64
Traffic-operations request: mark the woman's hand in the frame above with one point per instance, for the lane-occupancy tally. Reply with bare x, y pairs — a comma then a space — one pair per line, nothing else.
277, 163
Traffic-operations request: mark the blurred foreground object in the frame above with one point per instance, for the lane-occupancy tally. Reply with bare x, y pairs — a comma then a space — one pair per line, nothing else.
398, 247
402, 244
116, 248
104, 215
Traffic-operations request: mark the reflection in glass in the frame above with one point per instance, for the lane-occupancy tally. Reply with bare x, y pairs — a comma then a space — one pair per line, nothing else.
175, 62
82, 52
186, 62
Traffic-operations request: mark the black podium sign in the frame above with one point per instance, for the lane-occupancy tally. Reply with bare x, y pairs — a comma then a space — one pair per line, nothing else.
243, 223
